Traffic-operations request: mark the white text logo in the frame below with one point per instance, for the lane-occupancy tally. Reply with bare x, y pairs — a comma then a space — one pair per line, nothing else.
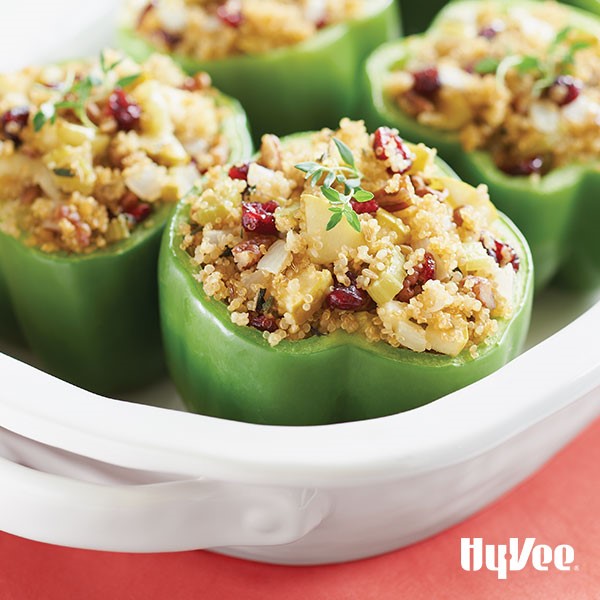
505, 558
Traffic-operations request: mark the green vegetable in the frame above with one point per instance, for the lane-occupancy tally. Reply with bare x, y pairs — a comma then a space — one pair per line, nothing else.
341, 206
417, 16
557, 212
93, 319
229, 371
307, 86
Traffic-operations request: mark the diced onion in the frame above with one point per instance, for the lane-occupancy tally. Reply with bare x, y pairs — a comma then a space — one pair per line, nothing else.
276, 259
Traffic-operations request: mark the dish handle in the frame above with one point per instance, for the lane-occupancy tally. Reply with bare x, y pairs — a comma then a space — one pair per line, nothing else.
156, 517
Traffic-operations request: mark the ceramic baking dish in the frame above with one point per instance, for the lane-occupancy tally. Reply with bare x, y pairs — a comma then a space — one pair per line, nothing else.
91, 472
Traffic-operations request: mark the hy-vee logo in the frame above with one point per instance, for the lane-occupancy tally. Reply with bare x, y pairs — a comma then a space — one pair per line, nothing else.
503, 558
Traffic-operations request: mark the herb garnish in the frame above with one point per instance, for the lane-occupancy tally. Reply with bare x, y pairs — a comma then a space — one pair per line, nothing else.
346, 175
64, 172
554, 64
76, 93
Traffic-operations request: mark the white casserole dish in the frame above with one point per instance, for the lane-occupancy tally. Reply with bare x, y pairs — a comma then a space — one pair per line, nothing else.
90, 472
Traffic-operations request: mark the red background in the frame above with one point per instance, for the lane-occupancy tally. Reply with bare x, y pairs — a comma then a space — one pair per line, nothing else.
559, 505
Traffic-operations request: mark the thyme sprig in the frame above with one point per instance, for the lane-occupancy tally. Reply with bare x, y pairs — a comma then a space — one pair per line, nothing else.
559, 60
76, 93
345, 176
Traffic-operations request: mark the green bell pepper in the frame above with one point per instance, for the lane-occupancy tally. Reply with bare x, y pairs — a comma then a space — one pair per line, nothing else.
307, 86
9, 329
228, 371
417, 17
591, 5
557, 212
93, 319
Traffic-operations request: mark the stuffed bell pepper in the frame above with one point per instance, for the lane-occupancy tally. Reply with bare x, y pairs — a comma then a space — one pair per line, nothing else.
293, 64
338, 276
93, 156
509, 92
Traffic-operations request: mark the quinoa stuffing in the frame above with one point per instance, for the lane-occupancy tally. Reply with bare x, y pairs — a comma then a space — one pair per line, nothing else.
214, 29
520, 80
90, 150
342, 230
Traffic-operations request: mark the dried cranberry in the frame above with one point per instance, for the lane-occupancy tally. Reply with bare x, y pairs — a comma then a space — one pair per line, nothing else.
502, 253
362, 208
427, 82
138, 212
125, 112
348, 297
239, 172
413, 284
169, 38
230, 16
489, 32
259, 218
565, 89
528, 166
263, 322
13, 121
322, 23
385, 139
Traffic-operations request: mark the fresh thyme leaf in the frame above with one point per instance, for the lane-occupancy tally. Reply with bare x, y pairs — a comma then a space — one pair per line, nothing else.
361, 195
332, 195
64, 172
335, 219
307, 167
353, 183
345, 175
486, 65
345, 152
561, 36
352, 218
528, 63
125, 81
46, 113
316, 176
330, 179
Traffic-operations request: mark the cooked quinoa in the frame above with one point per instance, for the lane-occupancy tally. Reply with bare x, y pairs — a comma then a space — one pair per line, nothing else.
213, 29
520, 80
429, 270
81, 169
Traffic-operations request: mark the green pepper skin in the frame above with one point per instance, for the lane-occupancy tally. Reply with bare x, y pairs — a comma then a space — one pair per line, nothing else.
556, 213
591, 5
416, 17
93, 319
9, 329
228, 371
307, 86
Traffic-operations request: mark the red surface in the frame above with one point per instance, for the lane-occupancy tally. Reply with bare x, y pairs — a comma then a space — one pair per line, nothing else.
559, 505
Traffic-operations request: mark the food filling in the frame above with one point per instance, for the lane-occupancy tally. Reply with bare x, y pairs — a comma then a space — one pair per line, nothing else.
89, 151
342, 230
213, 29
521, 81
